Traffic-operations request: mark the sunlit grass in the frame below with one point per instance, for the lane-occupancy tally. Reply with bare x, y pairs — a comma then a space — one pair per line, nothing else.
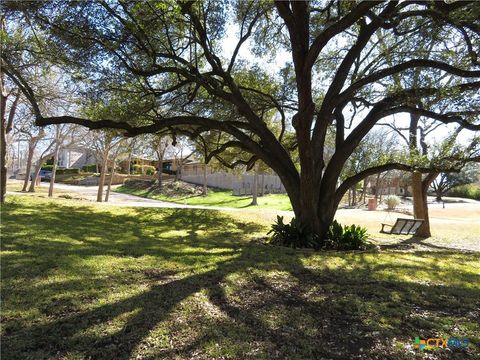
216, 198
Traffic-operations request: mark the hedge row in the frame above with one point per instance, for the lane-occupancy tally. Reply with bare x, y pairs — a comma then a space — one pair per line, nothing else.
61, 171
68, 171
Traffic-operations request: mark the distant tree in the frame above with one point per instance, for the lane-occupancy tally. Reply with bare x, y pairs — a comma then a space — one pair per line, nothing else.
120, 148
446, 181
56, 137
25, 130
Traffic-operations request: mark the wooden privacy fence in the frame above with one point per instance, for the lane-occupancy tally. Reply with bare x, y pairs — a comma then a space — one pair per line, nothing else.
239, 184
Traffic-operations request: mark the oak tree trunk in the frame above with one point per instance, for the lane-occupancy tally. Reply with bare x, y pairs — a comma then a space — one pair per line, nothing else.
420, 205
317, 213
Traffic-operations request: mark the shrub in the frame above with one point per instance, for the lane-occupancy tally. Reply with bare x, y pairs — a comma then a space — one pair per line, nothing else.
89, 168
61, 170
147, 169
348, 237
469, 191
292, 234
392, 201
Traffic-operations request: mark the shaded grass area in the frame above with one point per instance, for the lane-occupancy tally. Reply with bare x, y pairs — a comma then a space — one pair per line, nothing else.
84, 282
215, 198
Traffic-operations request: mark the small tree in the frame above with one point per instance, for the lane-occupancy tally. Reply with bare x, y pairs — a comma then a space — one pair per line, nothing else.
103, 142
117, 150
32, 135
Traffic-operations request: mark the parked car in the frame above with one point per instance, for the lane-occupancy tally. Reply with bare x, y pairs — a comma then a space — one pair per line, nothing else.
45, 175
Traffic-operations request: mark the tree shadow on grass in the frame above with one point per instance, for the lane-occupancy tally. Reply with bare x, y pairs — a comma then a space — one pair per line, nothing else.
204, 292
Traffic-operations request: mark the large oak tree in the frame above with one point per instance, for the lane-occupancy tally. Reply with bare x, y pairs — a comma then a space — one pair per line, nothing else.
167, 64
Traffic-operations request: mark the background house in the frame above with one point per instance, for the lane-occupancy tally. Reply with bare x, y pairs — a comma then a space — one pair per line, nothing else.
390, 183
76, 157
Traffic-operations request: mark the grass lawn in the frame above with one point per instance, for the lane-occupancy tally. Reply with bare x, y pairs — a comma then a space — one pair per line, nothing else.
87, 281
216, 198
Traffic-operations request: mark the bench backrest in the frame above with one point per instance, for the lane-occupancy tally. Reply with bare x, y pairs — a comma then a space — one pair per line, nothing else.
406, 226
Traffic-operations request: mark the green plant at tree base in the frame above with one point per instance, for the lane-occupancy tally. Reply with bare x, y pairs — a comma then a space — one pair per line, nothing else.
293, 234
297, 235
347, 237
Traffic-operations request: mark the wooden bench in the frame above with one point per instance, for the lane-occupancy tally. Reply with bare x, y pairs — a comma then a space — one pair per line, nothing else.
403, 226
